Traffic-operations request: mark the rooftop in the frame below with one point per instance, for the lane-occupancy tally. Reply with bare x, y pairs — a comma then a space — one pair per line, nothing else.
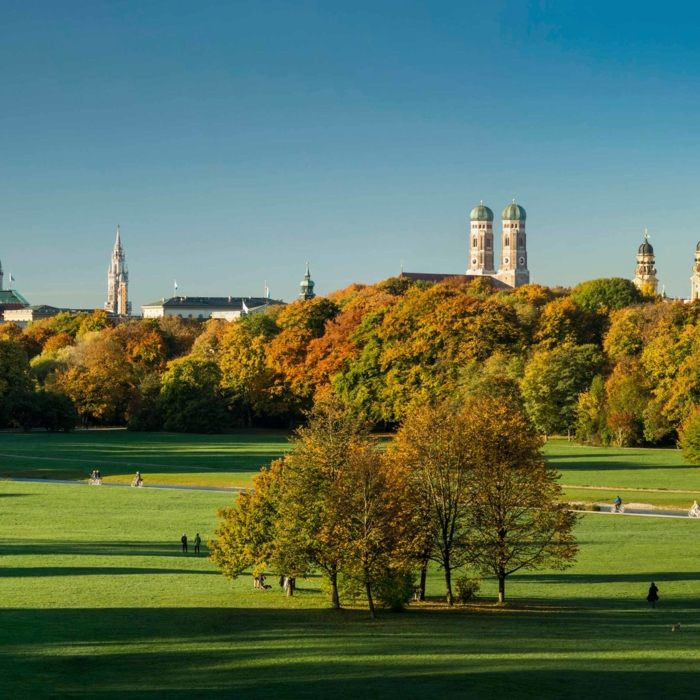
217, 302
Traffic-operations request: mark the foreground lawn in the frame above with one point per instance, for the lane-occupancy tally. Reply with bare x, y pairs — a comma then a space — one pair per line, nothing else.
164, 458
97, 600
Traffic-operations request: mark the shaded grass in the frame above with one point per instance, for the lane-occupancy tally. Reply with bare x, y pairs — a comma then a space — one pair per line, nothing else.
98, 601
208, 460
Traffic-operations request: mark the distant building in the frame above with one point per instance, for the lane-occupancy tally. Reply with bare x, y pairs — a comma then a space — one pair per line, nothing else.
23, 317
10, 299
695, 279
306, 286
203, 308
118, 302
513, 270
645, 273
434, 277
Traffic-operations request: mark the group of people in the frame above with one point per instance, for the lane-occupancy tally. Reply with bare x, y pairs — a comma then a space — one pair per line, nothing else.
197, 543
287, 583
95, 478
694, 511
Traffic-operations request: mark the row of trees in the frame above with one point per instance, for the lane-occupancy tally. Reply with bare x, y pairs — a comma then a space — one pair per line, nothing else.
601, 360
461, 485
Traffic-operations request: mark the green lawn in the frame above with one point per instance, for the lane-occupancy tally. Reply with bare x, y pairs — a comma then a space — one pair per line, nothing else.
164, 458
97, 600
641, 475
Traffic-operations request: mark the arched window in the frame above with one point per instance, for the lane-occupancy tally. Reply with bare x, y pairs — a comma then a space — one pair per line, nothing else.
474, 243
506, 242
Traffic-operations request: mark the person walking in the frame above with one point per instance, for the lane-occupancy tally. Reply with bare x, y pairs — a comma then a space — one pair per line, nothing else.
197, 543
653, 594
183, 539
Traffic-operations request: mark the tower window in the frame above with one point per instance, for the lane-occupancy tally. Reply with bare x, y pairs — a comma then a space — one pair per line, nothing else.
474, 242
506, 242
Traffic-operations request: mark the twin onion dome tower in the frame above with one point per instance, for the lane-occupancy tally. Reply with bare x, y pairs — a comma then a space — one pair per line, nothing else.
512, 269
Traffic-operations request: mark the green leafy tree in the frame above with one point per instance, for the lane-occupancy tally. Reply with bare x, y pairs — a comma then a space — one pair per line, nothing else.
606, 294
690, 437
190, 398
552, 382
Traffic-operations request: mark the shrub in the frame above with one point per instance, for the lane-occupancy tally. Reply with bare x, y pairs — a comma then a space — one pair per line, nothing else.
690, 437
467, 588
395, 589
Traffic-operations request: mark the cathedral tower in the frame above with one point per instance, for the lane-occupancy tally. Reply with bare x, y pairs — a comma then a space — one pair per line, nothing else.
481, 241
694, 280
645, 272
306, 286
513, 270
118, 281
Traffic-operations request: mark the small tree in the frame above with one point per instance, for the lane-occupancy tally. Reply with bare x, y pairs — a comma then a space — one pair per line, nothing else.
518, 521
375, 527
311, 509
433, 446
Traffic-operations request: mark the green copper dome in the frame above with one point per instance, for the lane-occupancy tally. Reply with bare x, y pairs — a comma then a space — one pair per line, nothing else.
513, 212
481, 213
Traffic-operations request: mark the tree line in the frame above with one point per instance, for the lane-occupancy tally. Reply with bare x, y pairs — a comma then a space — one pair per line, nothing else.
462, 485
600, 361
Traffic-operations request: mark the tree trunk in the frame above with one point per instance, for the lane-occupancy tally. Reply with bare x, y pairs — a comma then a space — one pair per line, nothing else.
289, 586
335, 598
501, 588
370, 601
423, 578
448, 583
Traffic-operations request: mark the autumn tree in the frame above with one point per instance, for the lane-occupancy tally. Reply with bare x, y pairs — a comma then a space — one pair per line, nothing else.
311, 507
518, 521
433, 445
690, 437
376, 525
246, 534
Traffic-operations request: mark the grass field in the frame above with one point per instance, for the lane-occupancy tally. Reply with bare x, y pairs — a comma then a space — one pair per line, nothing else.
163, 458
589, 474
97, 600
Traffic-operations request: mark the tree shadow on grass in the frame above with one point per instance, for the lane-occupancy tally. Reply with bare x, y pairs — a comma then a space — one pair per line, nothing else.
31, 571
321, 653
100, 548
578, 579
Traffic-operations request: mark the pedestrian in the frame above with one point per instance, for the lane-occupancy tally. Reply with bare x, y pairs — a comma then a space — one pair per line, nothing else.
197, 542
653, 594
183, 539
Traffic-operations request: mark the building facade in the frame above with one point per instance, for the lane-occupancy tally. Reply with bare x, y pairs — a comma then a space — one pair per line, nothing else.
695, 278
118, 302
645, 277
204, 308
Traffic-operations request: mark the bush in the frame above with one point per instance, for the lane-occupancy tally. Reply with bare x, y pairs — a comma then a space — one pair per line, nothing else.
690, 437
395, 589
467, 588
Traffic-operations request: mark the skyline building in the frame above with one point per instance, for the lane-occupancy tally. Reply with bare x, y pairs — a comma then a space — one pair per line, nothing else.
306, 286
645, 277
118, 281
512, 270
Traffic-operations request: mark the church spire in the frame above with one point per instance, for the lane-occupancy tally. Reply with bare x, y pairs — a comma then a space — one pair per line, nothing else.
118, 281
306, 286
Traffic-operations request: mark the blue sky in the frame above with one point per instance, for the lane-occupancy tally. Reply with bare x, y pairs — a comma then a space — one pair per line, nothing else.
233, 141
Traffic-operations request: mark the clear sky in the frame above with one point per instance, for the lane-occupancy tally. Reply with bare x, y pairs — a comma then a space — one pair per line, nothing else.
233, 141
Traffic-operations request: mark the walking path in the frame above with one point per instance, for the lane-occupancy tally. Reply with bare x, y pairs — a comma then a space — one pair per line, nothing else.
174, 487
639, 510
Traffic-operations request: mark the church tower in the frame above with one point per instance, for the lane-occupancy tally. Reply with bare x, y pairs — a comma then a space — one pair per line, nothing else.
645, 272
118, 281
513, 270
306, 286
694, 280
2, 276
481, 241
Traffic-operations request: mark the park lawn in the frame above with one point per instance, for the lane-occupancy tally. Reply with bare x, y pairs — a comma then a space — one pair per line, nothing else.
628, 467
98, 601
230, 459
658, 499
